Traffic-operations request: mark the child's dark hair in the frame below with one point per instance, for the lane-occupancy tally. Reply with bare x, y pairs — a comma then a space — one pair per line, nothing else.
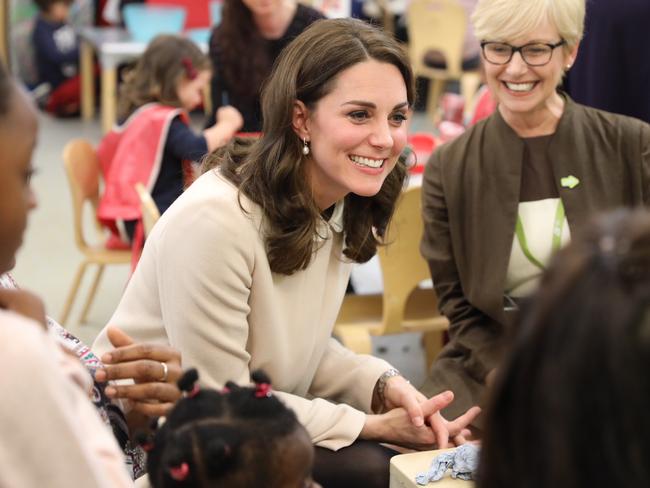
44, 5
155, 77
569, 408
226, 438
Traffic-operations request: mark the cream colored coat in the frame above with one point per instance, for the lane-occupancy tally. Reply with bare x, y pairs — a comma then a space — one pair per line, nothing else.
204, 285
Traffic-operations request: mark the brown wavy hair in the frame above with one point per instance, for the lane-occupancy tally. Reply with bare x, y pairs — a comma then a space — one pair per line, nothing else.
270, 172
237, 34
156, 74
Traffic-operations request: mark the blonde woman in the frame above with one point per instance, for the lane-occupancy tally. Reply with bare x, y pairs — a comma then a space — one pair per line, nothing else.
501, 198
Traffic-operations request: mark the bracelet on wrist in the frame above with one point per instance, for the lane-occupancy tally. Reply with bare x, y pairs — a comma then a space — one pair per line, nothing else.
381, 384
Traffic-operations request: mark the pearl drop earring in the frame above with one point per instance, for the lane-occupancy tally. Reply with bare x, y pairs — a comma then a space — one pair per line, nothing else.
305, 147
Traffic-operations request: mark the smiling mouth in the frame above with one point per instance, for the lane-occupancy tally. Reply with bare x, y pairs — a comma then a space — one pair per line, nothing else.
367, 162
520, 87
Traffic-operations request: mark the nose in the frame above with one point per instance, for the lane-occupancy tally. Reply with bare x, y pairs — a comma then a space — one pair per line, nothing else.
381, 136
517, 65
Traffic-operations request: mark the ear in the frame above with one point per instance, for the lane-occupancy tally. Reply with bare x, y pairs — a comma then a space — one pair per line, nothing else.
573, 54
300, 120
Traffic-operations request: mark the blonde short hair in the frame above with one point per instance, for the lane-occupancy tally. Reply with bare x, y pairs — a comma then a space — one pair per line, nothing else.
503, 20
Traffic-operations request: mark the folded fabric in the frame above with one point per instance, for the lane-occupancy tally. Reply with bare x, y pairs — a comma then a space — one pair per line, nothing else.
463, 462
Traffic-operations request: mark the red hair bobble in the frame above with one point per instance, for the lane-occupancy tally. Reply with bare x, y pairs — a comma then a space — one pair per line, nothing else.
190, 70
179, 473
262, 390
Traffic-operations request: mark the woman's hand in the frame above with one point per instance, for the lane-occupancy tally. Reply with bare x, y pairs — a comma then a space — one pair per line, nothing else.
399, 393
24, 303
396, 425
155, 390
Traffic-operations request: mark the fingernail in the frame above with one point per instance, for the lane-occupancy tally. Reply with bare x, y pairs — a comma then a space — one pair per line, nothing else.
418, 421
107, 358
100, 375
110, 391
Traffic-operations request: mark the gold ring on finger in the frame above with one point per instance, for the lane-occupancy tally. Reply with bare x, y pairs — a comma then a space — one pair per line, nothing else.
165, 372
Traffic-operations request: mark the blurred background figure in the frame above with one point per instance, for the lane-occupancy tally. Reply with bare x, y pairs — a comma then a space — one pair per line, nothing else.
154, 143
244, 46
613, 70
571, 401
57, 58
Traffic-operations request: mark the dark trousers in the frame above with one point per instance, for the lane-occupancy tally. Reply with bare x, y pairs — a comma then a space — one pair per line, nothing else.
363, 463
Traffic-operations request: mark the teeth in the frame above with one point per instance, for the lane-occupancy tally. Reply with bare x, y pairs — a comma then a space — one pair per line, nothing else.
370, 163
520, 87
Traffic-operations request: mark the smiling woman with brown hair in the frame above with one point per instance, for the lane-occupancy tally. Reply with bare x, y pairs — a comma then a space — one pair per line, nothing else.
271, 230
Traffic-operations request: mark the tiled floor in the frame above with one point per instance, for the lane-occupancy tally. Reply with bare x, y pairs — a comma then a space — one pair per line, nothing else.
48, 259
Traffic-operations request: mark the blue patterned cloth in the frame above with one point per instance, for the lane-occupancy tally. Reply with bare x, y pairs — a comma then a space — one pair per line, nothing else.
463, 462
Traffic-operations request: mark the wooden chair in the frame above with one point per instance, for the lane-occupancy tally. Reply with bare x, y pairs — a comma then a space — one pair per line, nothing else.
403, 306
150, 212
439, 25
83, 171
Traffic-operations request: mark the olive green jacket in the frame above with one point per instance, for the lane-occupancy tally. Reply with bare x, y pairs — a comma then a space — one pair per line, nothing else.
470, 202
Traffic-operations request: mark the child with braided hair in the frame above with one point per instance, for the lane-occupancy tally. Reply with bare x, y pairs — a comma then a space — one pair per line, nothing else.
237, 437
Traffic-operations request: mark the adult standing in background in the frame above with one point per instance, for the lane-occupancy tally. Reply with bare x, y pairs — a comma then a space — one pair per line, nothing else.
499, 199
613, 70
244, 46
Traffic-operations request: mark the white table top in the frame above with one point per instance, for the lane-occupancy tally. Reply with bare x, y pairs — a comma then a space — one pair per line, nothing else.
115, 45
404, 468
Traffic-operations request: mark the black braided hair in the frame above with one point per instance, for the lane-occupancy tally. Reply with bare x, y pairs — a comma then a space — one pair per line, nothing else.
219, 438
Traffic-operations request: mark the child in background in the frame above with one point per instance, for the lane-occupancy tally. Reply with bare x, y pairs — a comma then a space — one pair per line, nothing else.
153, 143
57, 57
240, 437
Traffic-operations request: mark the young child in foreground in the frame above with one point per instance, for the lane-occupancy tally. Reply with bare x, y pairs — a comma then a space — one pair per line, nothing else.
238, 437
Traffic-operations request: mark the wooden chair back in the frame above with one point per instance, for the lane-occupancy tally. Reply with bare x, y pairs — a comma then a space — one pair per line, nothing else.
83, 171
437, 25
150, 212
403, 267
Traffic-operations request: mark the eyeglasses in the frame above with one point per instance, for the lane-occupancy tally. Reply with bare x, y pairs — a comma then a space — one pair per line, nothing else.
533, 54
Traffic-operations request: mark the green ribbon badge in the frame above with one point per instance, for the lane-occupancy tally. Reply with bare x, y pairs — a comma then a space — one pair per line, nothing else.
569, 182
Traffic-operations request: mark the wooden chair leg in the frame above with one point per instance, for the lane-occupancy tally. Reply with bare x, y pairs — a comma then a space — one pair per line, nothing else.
354, 337
433, 342
73, 292
91, 294
436, 88
469, 85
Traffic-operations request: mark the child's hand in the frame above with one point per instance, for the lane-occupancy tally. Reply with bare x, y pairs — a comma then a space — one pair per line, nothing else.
231, 116
23, 303
229, 121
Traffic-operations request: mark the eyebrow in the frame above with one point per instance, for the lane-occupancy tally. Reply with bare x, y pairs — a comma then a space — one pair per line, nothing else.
372, 105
